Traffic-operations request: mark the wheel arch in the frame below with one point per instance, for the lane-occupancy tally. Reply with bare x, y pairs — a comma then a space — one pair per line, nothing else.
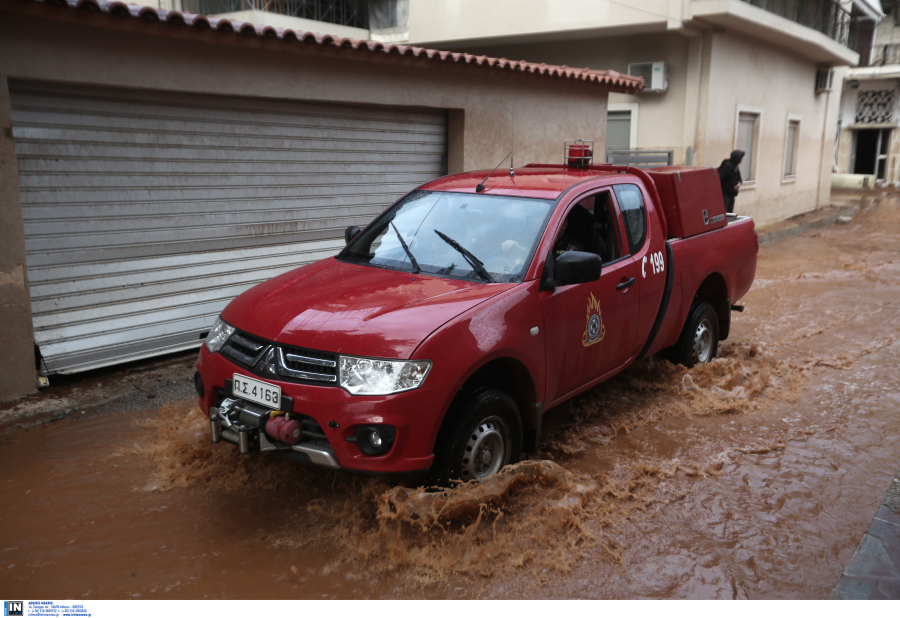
512, 376
714, 290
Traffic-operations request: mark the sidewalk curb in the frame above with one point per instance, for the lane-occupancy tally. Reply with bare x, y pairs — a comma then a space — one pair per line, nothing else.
804, 226
874, 570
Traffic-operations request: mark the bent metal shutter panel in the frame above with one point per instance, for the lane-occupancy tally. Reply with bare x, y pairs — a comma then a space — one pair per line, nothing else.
146, 212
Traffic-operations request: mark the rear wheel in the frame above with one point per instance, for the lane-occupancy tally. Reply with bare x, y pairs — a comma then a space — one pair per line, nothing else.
699, 341
484, 437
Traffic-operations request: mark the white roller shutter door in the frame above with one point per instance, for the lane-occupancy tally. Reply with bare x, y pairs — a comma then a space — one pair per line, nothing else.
618, 130
146, 212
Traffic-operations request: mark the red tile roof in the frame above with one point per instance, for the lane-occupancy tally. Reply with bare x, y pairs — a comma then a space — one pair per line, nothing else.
610, 80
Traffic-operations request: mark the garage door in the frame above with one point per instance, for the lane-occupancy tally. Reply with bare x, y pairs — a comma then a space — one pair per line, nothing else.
146, 212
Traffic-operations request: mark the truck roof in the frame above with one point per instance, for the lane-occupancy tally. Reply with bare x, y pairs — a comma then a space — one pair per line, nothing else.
539, 181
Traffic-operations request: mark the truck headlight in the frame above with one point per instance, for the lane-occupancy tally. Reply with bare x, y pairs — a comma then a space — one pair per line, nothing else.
373, 376
218, 335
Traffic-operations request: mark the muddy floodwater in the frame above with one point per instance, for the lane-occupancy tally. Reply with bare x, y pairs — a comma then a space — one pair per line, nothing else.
752, 477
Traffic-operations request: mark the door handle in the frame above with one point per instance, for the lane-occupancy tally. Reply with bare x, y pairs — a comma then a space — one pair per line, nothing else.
625, 284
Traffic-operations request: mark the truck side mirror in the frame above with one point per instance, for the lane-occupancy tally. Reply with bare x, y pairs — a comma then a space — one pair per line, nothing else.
576, 267
350, 233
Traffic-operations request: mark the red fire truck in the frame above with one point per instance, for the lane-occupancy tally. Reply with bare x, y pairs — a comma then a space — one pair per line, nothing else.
441, 334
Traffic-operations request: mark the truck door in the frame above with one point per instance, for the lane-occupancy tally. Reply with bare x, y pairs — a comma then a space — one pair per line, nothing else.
591, 327
644, 239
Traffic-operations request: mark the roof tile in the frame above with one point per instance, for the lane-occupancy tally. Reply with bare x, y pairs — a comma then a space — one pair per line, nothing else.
611, 80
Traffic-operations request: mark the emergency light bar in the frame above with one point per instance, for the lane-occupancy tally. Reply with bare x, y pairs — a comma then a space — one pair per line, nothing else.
578, 152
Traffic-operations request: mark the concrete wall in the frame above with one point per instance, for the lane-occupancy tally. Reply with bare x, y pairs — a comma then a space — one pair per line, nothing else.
17, 375
660, 116
86, 48
887, 31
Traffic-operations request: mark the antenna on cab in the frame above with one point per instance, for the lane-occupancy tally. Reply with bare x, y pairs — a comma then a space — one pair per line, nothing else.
480, 186
512, 139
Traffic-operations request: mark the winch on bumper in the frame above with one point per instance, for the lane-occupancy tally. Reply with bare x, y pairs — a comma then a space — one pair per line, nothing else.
255, 427
334, 420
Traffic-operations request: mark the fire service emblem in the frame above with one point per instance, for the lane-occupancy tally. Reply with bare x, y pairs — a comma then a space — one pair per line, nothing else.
594, 331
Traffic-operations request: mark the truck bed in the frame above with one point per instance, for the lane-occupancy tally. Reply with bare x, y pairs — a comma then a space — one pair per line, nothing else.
726, 256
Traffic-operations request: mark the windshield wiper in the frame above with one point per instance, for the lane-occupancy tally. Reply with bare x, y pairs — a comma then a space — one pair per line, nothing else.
477, 264
405, 248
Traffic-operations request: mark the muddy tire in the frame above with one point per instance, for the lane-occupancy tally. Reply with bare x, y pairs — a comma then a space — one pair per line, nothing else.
484, 437
699, 341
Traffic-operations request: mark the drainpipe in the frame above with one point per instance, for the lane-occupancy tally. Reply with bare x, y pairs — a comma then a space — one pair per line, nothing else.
825, 121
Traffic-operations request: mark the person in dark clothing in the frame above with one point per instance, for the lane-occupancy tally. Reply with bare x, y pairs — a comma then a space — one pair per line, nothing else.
730, 177
578, 233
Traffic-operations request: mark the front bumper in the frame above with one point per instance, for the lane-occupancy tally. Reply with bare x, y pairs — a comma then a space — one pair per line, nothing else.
416, 415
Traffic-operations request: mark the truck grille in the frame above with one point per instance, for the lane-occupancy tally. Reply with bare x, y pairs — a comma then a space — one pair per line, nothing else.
244, 348
268, 359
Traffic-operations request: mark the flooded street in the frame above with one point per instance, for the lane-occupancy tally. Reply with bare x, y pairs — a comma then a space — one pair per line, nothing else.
752, 477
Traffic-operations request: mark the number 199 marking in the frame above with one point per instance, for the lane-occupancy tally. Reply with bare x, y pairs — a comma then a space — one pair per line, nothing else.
656, 261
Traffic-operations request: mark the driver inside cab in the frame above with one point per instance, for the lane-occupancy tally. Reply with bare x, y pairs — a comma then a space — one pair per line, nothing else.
578, 233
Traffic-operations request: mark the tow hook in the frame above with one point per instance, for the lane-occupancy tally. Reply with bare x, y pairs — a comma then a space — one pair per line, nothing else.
215, 426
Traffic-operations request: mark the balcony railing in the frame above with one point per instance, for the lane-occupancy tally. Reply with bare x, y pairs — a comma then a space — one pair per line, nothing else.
353, 13
825, 16
888, 53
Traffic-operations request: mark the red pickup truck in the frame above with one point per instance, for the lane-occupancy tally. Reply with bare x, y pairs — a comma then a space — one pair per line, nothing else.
443, 331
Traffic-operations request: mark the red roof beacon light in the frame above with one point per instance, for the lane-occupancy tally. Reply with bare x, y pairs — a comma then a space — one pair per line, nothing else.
578, 152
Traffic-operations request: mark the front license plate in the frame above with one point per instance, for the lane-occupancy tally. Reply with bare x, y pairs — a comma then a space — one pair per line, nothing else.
256, 391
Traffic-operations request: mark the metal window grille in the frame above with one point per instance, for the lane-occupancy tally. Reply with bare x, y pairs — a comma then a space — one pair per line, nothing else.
875, 105
353, 13
825, 16
887, 53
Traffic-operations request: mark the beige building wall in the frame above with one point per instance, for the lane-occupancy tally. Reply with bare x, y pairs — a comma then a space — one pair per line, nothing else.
468, 21
53, 44
845, 118
660, 115
746, 76
710, 77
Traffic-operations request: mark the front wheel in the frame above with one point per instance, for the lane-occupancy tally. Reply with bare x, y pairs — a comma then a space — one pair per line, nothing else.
484, 438
699, 341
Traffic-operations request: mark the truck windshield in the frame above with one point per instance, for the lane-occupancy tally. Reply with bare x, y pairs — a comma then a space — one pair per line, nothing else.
484, 237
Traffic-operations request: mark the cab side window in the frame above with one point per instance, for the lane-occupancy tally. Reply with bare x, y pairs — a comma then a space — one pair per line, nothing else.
607, 229
631, 203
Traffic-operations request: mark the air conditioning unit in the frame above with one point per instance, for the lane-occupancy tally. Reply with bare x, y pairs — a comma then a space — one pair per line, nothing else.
825, 79
654, 74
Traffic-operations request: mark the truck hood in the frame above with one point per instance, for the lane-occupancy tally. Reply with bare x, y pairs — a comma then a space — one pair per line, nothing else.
354, 309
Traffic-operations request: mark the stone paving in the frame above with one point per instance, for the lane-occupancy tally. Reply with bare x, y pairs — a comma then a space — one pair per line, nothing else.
874, 570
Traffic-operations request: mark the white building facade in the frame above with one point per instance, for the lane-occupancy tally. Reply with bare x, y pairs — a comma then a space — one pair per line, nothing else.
868, 143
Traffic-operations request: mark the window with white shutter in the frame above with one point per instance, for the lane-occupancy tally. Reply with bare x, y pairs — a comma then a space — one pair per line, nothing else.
618, 130
790, 148
746, 141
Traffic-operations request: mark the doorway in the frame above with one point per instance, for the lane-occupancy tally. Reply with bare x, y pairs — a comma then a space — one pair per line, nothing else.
870, 151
